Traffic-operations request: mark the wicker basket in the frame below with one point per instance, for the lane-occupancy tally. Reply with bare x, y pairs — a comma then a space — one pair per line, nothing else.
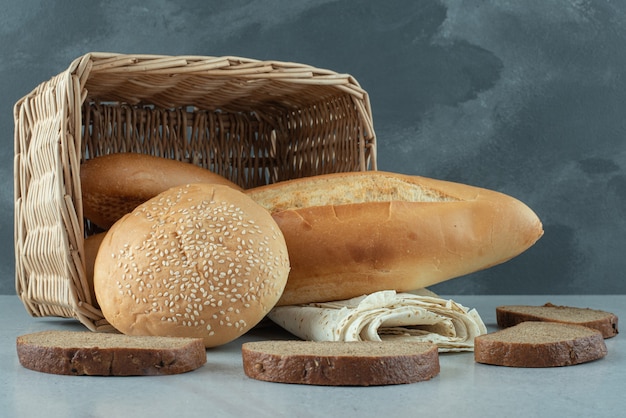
254, 122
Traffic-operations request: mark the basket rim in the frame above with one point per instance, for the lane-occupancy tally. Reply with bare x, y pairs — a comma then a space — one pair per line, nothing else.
94, 64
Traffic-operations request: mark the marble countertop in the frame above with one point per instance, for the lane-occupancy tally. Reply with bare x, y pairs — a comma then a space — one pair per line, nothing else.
221, 389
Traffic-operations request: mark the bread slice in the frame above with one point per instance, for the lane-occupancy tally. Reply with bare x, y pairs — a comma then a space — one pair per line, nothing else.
605, 322
331, 363
540, 344
102, 354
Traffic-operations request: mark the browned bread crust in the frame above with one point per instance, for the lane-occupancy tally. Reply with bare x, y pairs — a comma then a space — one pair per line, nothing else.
605, 322
199, 260
113, 185
340, 363
540, 344
100, 354
350, 234
92, 245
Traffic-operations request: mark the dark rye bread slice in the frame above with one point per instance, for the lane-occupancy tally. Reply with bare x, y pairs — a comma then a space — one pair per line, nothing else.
104, 354
540, 344
330, 363
605, 322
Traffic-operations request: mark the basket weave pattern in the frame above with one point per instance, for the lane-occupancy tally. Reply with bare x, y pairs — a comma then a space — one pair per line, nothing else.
254, 122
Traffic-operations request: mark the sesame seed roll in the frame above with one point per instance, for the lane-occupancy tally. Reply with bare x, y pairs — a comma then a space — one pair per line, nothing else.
198, 260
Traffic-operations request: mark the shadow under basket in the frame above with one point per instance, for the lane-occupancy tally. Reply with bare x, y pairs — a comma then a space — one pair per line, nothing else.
253, 122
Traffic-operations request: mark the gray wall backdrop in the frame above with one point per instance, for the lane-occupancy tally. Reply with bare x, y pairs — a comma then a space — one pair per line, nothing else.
524, 97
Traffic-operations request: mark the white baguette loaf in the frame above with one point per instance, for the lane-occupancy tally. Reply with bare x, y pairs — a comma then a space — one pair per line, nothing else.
350, 234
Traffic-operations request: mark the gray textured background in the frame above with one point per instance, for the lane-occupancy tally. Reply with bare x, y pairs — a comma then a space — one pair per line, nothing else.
524, 97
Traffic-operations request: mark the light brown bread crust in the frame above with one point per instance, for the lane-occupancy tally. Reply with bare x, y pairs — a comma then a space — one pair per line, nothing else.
605, 322
113, 185
100, 354
350, 234
198, 260
92, 245
540, 344
340, 363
